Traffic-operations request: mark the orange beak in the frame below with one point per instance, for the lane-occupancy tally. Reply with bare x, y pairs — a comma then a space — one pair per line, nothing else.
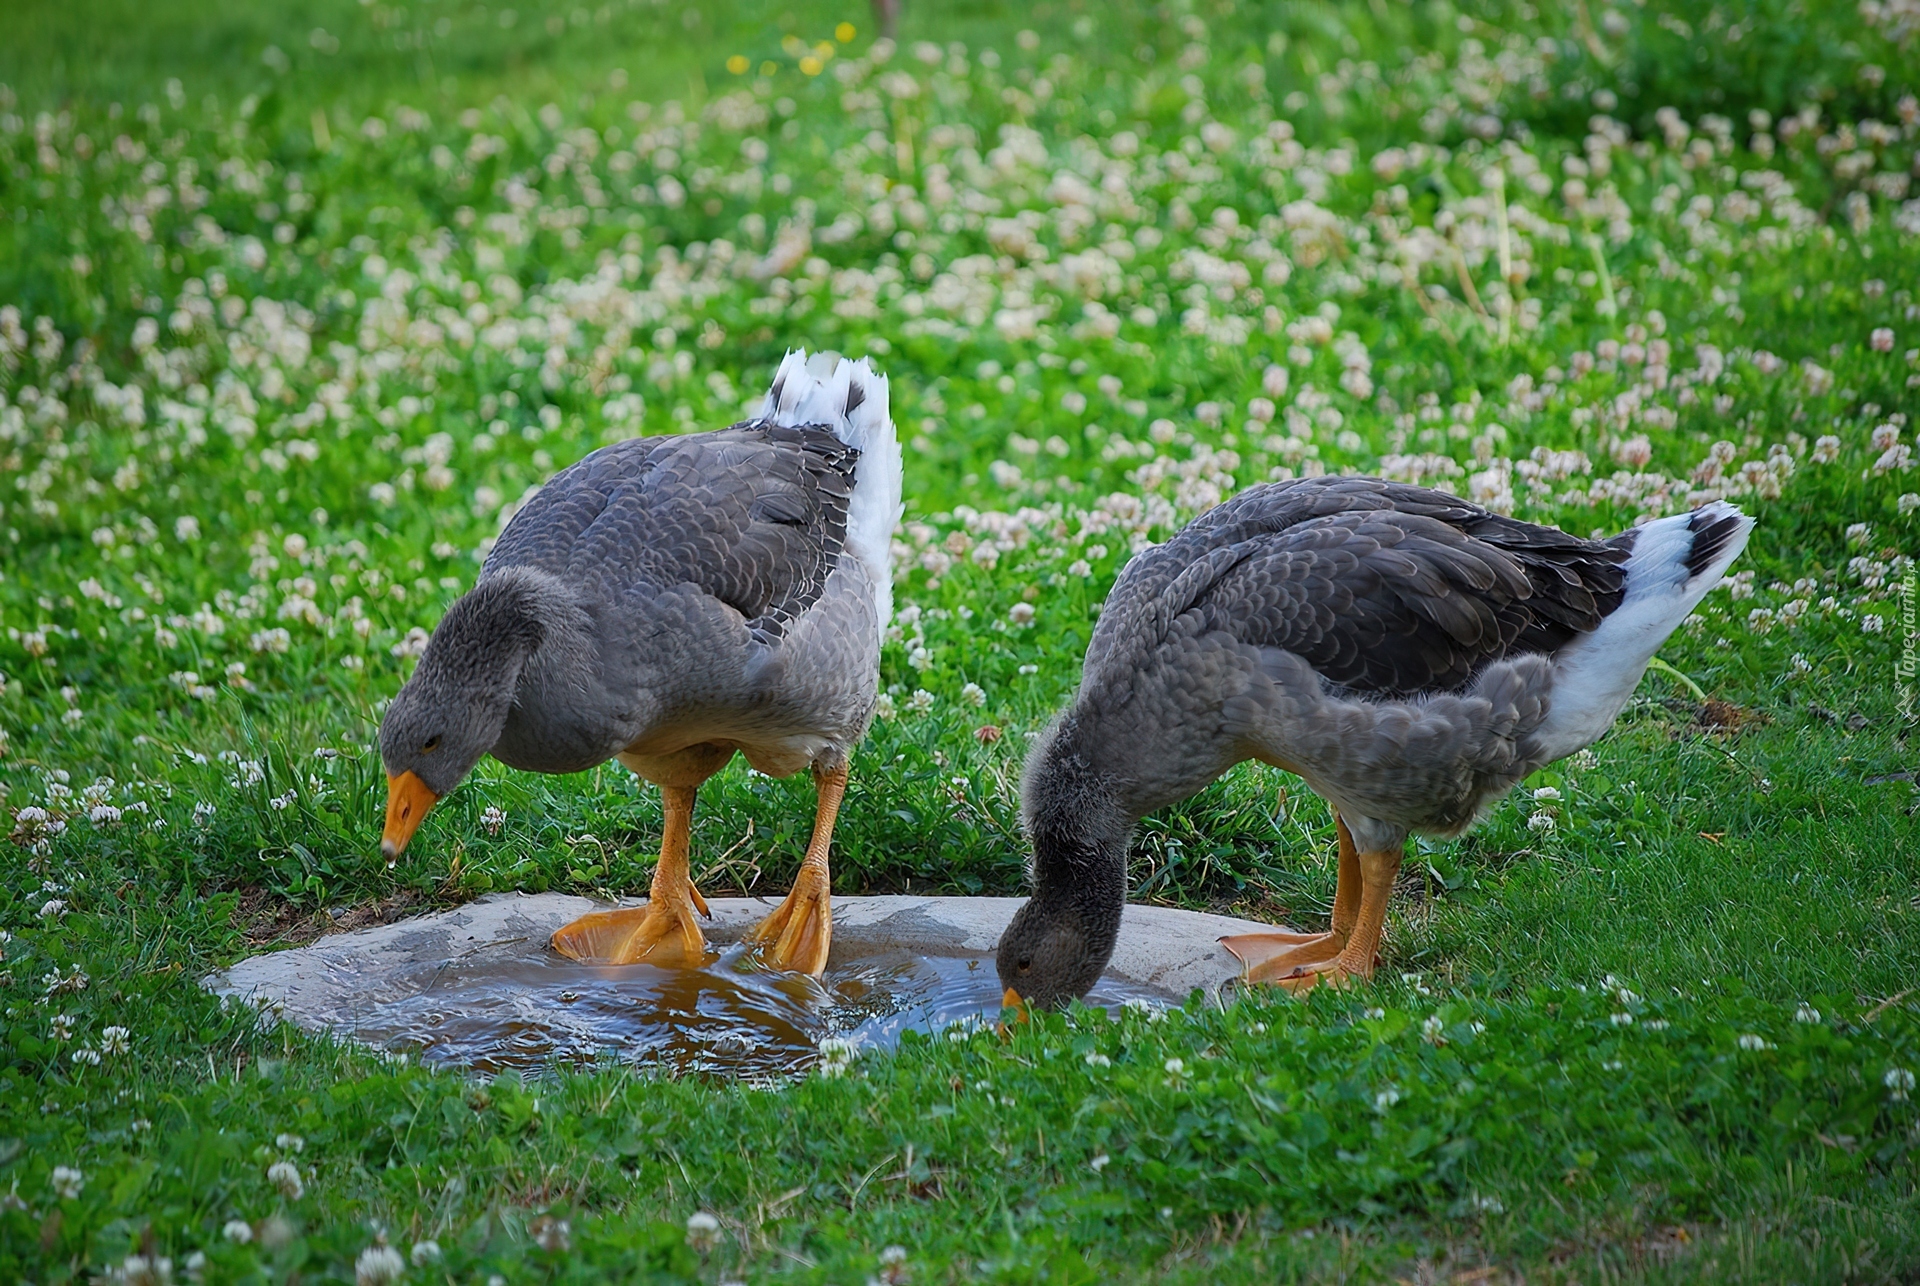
408, 800
1020, 1015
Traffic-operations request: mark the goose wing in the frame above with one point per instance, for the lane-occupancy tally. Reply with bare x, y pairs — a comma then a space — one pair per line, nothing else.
754, 516
1381, 587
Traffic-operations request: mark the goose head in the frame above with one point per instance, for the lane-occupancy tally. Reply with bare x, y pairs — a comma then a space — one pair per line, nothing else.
1057, 944
451, 712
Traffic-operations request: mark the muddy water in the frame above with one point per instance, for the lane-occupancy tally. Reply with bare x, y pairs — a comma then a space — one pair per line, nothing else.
726, 1019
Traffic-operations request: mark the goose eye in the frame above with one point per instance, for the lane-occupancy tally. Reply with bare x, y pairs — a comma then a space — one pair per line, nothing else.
1025, 965
433, 744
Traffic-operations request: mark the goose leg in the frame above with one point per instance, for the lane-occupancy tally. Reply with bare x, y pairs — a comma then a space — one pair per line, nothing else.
796, 936
1268, 956
663, 932
1355, 959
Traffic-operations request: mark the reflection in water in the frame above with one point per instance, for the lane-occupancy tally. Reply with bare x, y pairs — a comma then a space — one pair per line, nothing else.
726, 1019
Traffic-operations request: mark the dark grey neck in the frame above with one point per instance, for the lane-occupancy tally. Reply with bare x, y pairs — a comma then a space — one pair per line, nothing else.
493, 629
1080, 834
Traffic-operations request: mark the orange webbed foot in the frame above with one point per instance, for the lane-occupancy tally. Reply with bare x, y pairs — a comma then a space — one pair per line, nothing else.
1267, 957
799, 933
663, 932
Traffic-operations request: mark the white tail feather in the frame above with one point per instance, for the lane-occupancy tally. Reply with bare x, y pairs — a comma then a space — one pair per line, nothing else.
1595, 674
817, 391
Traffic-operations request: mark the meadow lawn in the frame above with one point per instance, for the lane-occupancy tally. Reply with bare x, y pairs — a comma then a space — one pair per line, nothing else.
299, 303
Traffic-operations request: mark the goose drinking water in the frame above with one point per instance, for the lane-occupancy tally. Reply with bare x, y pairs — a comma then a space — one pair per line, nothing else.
1410, 655
668, 601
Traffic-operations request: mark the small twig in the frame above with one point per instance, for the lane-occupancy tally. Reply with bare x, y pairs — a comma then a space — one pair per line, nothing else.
902, 143
1505, 301
1583, 23
1411, 280
1886, 1004
1606, 278
1699, 694
724, 862
1466, 284
868, 1178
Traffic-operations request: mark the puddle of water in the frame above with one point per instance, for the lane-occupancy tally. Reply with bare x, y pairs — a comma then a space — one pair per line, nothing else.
726, 1019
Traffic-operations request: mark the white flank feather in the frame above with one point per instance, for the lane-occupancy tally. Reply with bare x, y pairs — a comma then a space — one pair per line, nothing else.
1594, 675
815, 391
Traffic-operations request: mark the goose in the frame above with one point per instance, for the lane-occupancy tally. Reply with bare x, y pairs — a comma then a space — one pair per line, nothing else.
669, 601
1409, 654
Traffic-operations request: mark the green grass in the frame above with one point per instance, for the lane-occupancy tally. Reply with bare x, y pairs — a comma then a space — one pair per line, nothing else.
356, 346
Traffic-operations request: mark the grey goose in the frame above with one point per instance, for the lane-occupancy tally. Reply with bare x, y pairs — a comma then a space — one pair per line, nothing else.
667, 601
1409, 654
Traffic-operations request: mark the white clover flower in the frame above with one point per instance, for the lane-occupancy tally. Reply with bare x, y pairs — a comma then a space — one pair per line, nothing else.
1375, 1014
973, 694
1021, 614
413, 645
492, 820
290, 1143
1176, 1067
1099, 1163
67, 1182
1806, 1014
1386, 1098
61, 1028
1751, 1041
1541, 821
141, 1270
424, 1253
285, 1176
1433, 1029
921, 701
1899, 1083
186, 528
1488, 1205
237, 1231
1096, 1059
378, 1265
86, 1055
703, 1231
836, 1056
1655, 1024
57, 983
555, 1236
883, 707
1546, 795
